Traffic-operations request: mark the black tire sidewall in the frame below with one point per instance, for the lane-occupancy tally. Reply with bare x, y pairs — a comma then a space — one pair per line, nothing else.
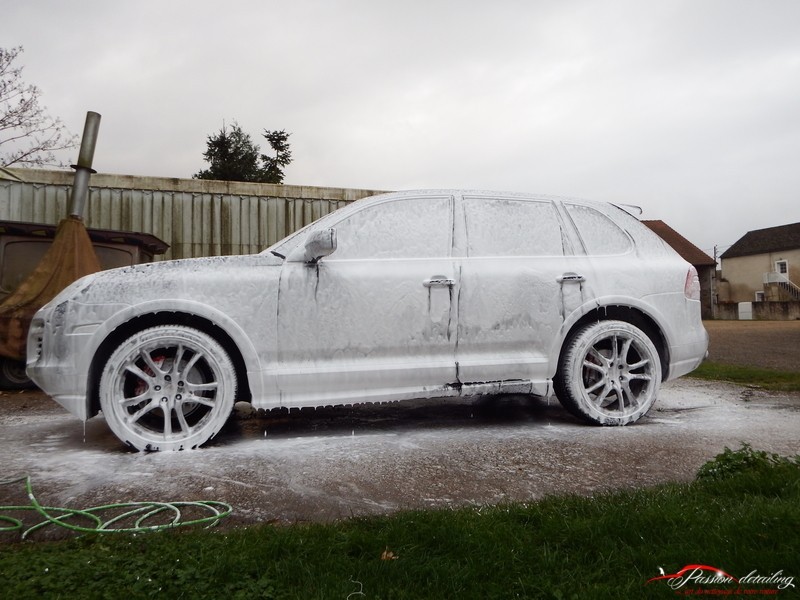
568, 382
211, 349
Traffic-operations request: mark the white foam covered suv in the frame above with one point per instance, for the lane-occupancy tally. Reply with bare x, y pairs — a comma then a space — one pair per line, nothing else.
434, 294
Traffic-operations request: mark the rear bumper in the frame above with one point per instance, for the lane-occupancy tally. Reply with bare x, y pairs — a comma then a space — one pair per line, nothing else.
685, 358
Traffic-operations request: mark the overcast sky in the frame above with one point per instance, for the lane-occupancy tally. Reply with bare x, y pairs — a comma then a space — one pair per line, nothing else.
687, 108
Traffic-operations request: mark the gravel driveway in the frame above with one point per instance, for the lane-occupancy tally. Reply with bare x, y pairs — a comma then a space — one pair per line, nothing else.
768, 344
335, 463
331, 463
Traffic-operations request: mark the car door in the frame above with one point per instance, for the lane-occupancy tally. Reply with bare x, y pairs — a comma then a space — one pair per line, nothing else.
614, 269
519, 280
375, 319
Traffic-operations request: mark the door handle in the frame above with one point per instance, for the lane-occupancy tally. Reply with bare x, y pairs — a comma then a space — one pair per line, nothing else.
571, 277
439, 281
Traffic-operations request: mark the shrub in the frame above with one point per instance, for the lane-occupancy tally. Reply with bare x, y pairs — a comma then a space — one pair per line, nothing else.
745, 459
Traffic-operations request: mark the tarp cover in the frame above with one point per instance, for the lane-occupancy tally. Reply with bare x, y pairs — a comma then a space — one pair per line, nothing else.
70, 257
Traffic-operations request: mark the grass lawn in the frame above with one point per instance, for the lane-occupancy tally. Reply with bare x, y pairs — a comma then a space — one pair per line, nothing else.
742, 514
770, 379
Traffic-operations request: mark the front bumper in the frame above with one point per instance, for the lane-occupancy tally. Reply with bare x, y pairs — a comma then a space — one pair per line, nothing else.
55, 363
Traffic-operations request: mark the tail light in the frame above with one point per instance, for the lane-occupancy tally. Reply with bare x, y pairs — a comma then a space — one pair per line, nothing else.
691, 288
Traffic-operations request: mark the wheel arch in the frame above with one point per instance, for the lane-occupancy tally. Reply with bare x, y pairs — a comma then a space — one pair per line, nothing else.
629, 314
152, 319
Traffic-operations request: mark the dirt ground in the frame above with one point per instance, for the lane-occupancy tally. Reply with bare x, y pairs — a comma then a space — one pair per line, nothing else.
767, 344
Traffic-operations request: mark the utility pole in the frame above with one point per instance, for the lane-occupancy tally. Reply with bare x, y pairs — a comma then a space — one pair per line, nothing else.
713, 279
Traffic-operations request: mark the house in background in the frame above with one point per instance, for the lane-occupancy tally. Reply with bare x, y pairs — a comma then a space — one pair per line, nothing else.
705, 265
763, 265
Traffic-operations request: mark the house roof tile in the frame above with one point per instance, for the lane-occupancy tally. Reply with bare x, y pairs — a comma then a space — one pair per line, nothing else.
680, 244
762, 241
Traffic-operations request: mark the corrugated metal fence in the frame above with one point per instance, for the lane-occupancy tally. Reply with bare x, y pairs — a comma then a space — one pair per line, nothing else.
197, 218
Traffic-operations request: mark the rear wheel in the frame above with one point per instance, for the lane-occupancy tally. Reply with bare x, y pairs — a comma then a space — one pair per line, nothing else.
609, 373
13, 376
167, 388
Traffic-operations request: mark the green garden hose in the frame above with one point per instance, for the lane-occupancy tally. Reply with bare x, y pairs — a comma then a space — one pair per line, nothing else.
137, 513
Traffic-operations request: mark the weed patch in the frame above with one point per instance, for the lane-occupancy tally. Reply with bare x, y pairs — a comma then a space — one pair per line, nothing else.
743, 460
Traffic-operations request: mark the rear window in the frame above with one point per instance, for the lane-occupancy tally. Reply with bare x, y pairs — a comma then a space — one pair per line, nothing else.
600, 235
19, 260
111, 258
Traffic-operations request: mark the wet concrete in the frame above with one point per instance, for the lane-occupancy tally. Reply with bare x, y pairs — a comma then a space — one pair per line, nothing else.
340, 462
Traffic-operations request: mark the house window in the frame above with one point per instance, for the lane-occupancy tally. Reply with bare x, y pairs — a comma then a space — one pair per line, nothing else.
759, 296
782, 266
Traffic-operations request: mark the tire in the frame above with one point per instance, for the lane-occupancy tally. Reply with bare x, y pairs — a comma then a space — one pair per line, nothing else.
609, 373
167, 388
13, 376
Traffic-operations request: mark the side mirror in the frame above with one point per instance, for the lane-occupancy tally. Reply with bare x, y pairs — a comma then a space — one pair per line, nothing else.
318, 245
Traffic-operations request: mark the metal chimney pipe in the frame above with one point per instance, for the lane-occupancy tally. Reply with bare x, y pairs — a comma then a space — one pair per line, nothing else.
83, 170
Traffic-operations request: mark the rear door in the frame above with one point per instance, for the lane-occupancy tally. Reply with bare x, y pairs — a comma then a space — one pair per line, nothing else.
518, 281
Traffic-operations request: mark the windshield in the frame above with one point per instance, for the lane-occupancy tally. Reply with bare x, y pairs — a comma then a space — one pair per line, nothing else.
287, 244
283, 248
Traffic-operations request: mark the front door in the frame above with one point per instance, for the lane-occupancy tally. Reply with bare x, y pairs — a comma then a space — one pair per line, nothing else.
375, 320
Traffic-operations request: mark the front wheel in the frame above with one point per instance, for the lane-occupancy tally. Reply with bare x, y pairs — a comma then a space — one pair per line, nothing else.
609, 373
167, 388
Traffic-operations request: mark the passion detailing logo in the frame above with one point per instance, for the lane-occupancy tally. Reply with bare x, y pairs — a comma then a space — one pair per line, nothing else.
691, 579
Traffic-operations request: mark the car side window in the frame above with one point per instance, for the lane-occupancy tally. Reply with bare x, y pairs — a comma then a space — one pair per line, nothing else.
405, 228
600, 235
509, 227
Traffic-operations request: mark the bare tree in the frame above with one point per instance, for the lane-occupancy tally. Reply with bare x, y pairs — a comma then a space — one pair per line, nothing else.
29, 136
